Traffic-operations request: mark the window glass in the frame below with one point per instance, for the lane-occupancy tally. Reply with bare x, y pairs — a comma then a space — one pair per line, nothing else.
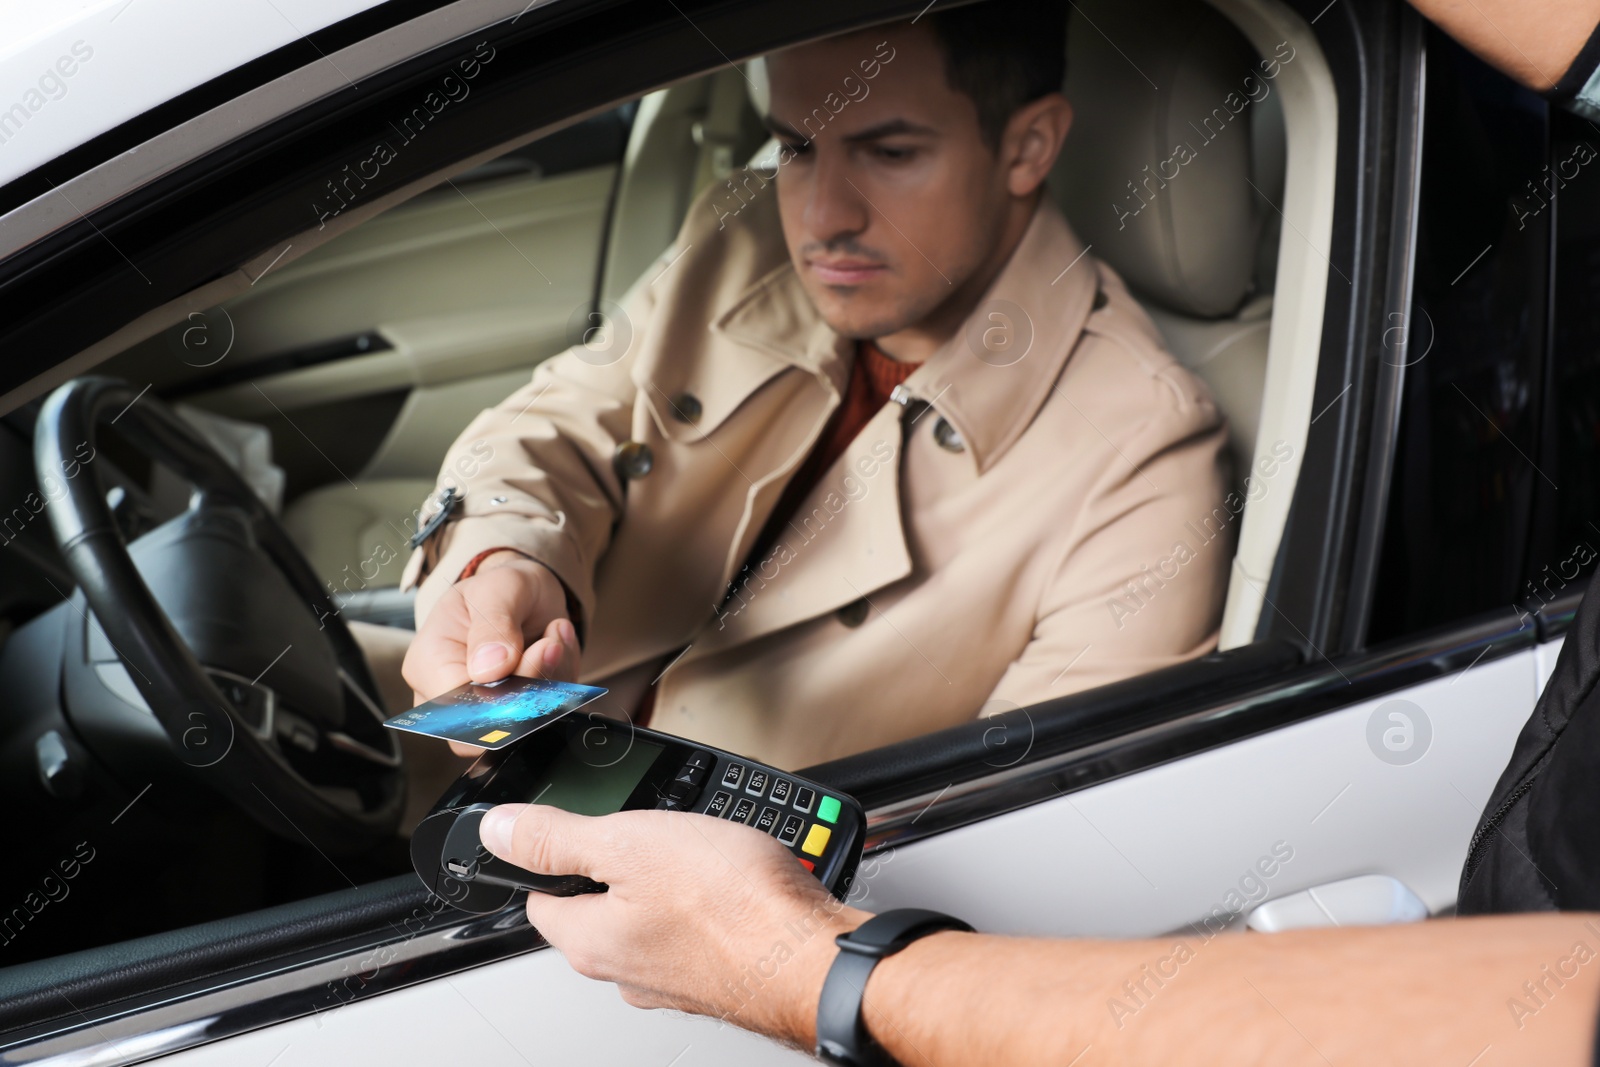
1567, 520
108, 850
1467, 464
341, 376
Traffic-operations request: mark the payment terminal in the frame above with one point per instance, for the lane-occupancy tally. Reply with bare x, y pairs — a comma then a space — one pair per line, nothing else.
593, 765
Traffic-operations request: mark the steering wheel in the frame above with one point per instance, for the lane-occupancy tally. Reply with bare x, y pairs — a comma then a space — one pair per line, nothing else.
231, 644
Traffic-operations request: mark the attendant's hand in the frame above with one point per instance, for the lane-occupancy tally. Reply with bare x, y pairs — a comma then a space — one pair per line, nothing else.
510, 617
702, 915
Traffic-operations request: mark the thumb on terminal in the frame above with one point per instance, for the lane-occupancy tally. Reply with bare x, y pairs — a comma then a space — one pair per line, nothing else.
541, 838
495, 829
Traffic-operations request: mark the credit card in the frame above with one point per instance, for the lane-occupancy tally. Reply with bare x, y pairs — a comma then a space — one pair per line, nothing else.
493, 715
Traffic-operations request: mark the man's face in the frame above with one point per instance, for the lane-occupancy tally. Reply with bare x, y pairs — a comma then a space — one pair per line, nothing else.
891, 200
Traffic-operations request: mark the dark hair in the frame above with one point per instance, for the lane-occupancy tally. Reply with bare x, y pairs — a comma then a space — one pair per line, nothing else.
1003, 54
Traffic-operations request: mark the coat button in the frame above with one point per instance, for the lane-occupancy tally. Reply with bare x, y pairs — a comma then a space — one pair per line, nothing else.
946, 435
854, 613
686, 408
633, 460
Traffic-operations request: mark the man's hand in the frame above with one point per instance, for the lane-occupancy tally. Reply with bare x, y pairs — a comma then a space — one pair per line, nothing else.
508, 618
702, 915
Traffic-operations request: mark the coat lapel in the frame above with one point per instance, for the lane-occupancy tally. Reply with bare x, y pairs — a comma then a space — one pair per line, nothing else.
844, 543
774, 321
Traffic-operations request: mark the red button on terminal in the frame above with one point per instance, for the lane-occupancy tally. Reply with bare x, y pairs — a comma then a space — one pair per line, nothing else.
808, 865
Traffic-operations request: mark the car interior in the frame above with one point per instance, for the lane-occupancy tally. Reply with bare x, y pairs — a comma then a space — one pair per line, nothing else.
334, 384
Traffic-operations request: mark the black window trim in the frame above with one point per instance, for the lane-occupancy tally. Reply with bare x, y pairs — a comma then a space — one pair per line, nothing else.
1320, 578
1388, 366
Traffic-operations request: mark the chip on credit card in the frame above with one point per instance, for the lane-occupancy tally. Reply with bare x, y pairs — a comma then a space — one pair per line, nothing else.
492, 715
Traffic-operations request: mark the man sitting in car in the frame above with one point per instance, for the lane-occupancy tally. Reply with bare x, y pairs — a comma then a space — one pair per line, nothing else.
876, 447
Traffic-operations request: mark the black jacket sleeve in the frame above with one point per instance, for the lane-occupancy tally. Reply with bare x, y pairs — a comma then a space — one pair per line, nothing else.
1537, 847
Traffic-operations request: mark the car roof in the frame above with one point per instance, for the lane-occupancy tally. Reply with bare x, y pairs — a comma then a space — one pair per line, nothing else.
127, 57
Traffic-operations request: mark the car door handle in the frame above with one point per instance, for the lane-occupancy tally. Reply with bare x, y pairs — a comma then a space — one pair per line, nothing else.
1366, 900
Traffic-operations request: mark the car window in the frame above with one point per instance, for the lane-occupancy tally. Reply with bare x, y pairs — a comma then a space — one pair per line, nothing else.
1566, 519
338, 381
108, 819
359, 450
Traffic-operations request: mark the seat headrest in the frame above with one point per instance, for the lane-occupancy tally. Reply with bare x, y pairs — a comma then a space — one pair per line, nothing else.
1155, 171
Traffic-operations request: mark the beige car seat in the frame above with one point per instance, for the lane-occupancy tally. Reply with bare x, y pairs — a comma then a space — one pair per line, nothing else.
1166, 174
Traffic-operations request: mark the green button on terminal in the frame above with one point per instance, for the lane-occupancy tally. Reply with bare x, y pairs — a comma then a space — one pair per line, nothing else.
828, 810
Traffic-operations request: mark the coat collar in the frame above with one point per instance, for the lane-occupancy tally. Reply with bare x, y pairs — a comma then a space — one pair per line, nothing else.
990, 379
776, 317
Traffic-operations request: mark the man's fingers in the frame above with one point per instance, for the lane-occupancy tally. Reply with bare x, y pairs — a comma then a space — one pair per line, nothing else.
494, 631
545, 840
545, 658
554, 655
436, 661
575, 925
566, 668
477, 635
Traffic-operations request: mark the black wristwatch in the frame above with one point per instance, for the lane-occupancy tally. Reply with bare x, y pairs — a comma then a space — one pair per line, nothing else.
842, 1036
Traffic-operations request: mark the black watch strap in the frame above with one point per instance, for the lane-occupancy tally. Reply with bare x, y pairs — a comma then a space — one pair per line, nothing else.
842, 1036
1579, 88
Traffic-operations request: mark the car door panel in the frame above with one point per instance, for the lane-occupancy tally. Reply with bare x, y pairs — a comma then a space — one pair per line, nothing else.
1188, 848
458, 248
531, 1009
1545, 663
432, 418
1157, 850
475, 280
449, 367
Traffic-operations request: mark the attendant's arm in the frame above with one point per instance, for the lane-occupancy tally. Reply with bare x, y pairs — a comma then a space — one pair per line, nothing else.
711, 917
1436, 993
1533, 41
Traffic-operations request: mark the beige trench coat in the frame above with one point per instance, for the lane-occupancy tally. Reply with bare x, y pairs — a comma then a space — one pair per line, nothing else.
1041, 516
